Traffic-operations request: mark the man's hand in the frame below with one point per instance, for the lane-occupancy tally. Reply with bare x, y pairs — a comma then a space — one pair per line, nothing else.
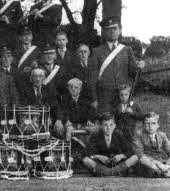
59, 127
102, 158
118, 158
5, 19
163, 167
129, 110
141, 64
37, 14
95, 104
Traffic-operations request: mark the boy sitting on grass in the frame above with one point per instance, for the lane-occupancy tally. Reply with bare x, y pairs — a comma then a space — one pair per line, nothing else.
109, 153
151, 145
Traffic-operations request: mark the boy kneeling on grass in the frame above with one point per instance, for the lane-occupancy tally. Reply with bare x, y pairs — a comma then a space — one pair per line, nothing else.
109, 153
151, 145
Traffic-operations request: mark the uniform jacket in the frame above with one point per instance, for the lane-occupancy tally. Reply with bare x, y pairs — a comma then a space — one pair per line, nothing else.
97, 145
43, 27
8, 92
13, 12
143, 146
121, 69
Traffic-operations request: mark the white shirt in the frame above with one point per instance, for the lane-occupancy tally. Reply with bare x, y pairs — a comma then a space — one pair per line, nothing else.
7, 69
84, 64
36, 90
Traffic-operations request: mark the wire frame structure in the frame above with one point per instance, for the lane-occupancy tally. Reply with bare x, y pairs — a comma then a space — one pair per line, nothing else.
28, 148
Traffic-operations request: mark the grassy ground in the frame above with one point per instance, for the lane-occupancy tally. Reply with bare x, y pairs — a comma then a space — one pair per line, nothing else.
158, 103
88, 184
148, 102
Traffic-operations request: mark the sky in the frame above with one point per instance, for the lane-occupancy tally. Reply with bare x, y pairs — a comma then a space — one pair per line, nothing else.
140, 18
146, 18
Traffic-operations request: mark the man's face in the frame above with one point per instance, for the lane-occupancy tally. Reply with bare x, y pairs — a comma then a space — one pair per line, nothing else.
108, 126
75, 90
61, 41
151, 125
26, 38
83, 53
112, 34
124, 95
49, 58
38, 79
7, 60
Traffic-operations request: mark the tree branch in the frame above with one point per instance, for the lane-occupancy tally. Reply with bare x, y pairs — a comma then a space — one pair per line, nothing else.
68, 12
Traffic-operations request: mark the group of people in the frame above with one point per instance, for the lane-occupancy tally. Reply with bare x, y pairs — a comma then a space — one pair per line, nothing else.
85, 89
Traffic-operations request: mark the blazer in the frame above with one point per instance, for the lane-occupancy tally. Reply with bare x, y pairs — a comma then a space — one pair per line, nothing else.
42, 28
78, 112
8, 92
49, 98
88, 75
126, 122
143, 146
118, 145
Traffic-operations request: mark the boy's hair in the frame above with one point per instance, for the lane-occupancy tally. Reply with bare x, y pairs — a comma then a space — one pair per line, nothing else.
75, 81
124, 87
151, 114
106, 116
61, 33
37, 70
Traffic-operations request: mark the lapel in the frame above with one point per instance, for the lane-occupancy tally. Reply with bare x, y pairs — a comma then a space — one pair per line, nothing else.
159, 140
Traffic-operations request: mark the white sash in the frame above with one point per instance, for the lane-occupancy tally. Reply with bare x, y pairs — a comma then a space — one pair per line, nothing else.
5, 7
25, 55
51, 75
46, 7
111, 56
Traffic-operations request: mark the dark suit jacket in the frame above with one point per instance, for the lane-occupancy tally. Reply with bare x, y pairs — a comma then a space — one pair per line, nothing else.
8, 31
78, 112
42, 28
13, 12
88, 75
126, 122
49, 98
8, 92
143, 146
97, 145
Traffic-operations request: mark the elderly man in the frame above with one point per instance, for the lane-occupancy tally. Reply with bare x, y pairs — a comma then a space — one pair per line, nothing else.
85, 68
116, 63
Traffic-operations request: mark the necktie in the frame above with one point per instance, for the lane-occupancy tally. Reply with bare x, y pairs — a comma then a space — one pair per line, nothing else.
39, 96
113, 47
153, 141
62, 53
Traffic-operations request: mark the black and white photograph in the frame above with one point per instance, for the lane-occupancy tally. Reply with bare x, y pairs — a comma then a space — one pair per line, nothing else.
84, 95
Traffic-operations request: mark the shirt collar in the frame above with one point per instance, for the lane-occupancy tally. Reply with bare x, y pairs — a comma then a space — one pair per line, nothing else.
9, 68
62, 49
110, 44
75, 98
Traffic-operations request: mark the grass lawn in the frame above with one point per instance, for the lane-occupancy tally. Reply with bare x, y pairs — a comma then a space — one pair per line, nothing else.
148, 102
